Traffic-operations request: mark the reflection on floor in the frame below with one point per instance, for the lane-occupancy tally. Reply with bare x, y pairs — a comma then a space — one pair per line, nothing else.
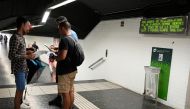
96, 94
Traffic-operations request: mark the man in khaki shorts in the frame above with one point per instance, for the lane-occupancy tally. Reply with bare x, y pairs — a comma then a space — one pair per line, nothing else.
65, 69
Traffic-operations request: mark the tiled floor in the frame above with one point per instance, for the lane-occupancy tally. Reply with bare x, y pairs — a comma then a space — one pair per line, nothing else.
95, 94
34, 90
37, 102
119, 99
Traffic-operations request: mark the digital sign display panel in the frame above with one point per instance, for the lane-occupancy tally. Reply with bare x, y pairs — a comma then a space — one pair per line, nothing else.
163, 25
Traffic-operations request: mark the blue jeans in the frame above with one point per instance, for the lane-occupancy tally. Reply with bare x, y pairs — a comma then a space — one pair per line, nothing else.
20, 80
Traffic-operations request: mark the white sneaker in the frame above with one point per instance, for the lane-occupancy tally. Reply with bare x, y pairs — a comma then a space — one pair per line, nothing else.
24, 106
25, 101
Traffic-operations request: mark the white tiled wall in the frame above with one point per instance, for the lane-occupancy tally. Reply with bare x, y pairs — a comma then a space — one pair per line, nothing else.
129, 52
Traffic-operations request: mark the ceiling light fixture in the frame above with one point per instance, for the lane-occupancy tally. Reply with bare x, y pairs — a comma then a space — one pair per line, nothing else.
8, 30
46, 15
33, 26
61, 4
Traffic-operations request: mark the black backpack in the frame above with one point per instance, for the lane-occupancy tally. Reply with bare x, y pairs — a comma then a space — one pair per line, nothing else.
78, 54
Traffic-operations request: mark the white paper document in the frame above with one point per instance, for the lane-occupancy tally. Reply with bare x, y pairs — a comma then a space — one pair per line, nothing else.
40, 52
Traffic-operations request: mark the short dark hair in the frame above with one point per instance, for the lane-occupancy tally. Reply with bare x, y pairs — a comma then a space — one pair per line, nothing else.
52, 56
66, 25
63, 22
61, 19
20, 20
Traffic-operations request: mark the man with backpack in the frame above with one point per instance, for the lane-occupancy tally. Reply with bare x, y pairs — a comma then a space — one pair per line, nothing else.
67, 62
57, 101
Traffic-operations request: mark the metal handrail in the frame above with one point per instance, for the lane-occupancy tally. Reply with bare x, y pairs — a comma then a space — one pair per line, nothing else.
95, 63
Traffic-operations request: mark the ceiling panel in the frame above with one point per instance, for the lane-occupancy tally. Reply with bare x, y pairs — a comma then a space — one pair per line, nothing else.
112, 6
82, 18
84, 15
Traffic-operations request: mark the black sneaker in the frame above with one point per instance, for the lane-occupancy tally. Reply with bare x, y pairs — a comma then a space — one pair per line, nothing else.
56, 101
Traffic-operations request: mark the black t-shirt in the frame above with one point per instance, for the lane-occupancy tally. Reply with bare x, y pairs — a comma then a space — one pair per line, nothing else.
66, 66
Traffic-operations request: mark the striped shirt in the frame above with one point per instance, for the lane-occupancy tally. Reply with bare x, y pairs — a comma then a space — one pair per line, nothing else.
17, 51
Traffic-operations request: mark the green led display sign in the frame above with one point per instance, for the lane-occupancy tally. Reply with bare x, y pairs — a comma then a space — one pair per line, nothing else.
163, 25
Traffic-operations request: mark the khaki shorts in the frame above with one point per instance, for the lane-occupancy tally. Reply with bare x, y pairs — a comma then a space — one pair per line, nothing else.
66, 82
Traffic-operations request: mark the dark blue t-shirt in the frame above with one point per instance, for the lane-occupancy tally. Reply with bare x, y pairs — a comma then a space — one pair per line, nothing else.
66, 66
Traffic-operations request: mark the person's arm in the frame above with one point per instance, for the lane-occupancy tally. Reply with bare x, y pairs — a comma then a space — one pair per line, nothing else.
54, 50
61, 55
63, 50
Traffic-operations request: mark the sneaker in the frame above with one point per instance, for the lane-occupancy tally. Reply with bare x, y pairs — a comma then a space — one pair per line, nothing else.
24, 106
56, 101
26, 102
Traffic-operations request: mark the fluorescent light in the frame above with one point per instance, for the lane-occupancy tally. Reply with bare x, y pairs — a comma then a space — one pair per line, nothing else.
48, 11
61, 4
8, 30
33, 26
46, 15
